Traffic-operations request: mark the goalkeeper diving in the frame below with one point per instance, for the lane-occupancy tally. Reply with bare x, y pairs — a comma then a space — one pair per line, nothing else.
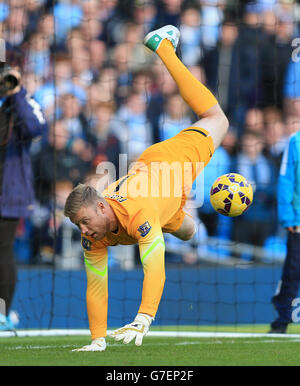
118, 215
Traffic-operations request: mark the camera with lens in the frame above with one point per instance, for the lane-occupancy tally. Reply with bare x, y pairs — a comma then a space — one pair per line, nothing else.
8, 81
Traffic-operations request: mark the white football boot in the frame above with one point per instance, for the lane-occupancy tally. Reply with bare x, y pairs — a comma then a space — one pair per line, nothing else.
154, 38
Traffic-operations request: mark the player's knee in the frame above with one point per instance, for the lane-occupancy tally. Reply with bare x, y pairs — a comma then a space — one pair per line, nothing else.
219, 131
191, 234
223, 124
187, 230
188, 234
187, 237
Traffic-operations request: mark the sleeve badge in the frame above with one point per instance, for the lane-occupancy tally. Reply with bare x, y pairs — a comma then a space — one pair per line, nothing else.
144, 229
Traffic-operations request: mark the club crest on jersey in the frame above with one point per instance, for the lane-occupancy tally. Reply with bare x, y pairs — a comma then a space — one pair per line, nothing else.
144, 229
86, 244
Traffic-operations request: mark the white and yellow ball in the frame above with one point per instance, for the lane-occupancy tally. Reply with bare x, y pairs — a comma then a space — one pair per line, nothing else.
231, 195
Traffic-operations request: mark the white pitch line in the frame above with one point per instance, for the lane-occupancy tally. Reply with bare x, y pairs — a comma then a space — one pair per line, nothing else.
121, 346
161, 334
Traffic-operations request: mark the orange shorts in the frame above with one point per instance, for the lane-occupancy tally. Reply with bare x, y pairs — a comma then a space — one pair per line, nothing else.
192, 149
191, 145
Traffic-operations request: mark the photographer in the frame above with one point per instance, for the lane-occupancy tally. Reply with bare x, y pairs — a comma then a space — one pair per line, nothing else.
21, 120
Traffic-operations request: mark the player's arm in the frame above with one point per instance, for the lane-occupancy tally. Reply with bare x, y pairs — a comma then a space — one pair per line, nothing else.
96, 298
152, 255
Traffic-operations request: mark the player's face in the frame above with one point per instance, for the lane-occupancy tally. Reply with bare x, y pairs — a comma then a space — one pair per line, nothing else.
93, 221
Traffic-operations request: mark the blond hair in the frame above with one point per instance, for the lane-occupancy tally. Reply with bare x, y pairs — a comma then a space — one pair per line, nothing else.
81, 196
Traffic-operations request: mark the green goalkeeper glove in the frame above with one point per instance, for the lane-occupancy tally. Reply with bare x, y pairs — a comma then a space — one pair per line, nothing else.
98, 344
135, 330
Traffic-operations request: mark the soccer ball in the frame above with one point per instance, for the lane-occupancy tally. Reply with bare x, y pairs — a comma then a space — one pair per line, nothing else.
231, 195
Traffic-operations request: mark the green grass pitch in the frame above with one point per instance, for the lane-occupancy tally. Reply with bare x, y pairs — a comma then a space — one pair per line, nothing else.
157, 351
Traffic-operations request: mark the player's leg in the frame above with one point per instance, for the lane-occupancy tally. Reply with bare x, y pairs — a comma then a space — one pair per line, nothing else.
164, 42
187, 229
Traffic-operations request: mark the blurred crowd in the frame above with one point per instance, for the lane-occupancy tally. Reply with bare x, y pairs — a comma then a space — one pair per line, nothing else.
105, 94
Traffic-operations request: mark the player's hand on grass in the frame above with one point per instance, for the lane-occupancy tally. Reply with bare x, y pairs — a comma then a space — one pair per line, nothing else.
135, 330
98, 344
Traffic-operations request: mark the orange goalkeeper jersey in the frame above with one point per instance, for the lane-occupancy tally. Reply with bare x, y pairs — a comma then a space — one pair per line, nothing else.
148, 201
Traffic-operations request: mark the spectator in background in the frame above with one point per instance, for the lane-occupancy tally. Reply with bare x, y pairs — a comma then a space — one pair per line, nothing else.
258, 222
91, 25
268, 21
102, 90
63, 24
78, 47
168, 12
142, 82
97, 53
94, 9
107, 146
57, 161
136, 135
276, 52
292, 87
191, 35
144, 14
91, 29
38, 56
82, 74
60, 83
212, 14
275, 141
289, 8
292, 125
120, 58
274, 135
74, 42
272, 114
288, 193
254, 120
75, 121
45, 26
138, 56
175, 117
220, 63
246, 89
163, 85
113, 15
15, 27
21, 121
56, 240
